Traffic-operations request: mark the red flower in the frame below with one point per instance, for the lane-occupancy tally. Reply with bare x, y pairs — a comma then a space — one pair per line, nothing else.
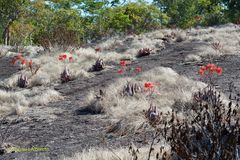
210, 65
30, 63
219, 70
62, 57
13, 61
211, 68
138, 69
24, 61
203, 68
148, 85
201, 72
120, 71
123, 63
19, 56
70, 58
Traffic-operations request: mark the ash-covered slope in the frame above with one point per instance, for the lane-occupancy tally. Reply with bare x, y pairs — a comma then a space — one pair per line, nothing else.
51, 114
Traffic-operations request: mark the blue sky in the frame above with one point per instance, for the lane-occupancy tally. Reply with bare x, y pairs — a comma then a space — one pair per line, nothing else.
144, 0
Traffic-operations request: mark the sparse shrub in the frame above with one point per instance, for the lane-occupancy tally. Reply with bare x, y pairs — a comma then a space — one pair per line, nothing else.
95, 107
98, 66
22, 81
211, 130
123, 64
63, 57
144, 52
169, 37
65, 75
152, 114
33, 69
217, 46
149, 87
130, 89
58, 36
28, 63
208, 73
134, 71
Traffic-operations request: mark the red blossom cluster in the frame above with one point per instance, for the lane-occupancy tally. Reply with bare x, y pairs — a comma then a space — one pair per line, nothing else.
22, 60
150, 86
64, 56
123, 64
210, 69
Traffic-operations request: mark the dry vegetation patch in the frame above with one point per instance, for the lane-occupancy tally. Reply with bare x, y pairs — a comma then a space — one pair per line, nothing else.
125, 99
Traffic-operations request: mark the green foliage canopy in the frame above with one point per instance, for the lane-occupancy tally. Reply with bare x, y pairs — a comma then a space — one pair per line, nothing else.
73, 22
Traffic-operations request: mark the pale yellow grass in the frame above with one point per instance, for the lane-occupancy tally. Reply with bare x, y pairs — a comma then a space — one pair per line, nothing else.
17, 102
129, 109
115, 154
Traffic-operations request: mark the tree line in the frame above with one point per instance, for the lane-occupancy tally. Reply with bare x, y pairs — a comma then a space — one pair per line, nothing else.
75, 22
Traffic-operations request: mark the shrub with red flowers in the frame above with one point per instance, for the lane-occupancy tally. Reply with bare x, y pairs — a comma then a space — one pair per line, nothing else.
149, 87
210, 71
19, 59
65, 75
64, 56
28, 63
124, 63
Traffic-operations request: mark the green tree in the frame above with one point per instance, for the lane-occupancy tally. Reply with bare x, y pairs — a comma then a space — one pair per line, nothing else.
182, 13
232, 10
10, 11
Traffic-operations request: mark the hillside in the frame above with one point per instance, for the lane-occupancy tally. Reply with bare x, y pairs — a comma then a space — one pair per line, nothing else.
69, 120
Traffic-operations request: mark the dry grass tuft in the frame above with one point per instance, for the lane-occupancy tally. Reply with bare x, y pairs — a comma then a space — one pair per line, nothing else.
17, 102
116, 154
129, 109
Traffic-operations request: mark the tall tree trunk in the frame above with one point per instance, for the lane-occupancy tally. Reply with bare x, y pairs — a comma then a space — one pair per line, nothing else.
6, 34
